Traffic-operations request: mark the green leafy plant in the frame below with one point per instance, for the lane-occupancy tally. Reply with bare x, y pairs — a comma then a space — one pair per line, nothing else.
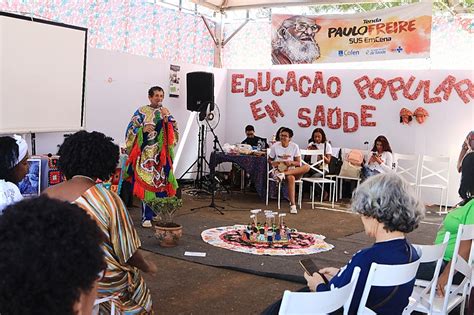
165, 208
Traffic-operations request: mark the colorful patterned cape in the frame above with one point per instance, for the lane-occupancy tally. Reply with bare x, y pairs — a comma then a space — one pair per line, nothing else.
150, 162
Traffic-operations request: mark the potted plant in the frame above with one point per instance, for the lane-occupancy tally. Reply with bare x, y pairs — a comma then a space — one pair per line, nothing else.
167, 232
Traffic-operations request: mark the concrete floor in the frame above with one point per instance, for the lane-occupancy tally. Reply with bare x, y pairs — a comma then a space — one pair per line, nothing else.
183, 287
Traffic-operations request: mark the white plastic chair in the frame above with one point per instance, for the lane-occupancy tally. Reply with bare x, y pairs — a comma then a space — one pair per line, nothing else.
434, 174
386, 276
408, 167
318, 167
319, 302
270, 179
105, 300
424, 291
456, 294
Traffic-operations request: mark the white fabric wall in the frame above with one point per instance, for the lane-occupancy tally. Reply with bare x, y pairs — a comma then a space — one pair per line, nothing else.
441, 134
117, 84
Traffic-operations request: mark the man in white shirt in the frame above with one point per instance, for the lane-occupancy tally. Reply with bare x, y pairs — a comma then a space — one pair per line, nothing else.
285, 158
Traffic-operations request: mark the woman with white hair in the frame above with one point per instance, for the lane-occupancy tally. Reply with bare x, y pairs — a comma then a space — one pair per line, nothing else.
389, 209
13, 167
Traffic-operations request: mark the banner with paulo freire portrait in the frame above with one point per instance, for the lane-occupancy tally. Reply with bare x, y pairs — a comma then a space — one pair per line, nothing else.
395, 33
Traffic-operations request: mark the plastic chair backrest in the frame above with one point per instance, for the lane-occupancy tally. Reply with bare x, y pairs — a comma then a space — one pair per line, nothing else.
318, 165
407, 166
428, 163
459, 264
320, 302
428, 254
386, 276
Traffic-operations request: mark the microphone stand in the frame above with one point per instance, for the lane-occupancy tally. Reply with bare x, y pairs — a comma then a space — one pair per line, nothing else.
212, 175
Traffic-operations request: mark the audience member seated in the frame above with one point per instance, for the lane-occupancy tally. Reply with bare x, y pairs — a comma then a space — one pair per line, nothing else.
50, 258
277, 135
13, 168
467, 147
380, 159
285, 158
318, 141
462, 215
253, 140
84, 158
389, 209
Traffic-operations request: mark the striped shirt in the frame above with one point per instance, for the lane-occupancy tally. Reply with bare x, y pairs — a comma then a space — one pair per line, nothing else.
121, 242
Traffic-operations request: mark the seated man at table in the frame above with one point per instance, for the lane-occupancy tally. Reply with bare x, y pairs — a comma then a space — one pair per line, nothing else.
285, 158
253, 140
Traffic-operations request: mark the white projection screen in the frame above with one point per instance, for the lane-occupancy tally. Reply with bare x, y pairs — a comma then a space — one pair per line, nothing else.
42, 75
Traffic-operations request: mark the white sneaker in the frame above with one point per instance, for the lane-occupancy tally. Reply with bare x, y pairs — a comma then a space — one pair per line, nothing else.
293, 209
147, 224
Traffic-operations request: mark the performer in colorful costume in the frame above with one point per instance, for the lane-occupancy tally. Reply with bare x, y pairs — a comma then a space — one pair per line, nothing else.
150, 139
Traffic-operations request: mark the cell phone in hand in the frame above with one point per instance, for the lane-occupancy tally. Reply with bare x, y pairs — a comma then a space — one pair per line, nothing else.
310, 267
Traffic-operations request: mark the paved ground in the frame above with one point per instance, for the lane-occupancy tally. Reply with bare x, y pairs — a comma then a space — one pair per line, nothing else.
184, 287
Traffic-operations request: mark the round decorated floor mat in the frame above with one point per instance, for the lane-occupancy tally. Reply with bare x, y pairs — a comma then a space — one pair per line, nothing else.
230, 237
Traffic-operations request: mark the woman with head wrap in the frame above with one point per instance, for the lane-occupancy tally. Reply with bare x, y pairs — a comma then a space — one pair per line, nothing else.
13, 167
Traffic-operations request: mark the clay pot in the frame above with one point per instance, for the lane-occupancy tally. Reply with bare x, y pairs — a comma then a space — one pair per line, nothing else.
168, 236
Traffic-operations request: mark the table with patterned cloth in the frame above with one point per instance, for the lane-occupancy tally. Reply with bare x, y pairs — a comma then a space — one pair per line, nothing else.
51, 175
255, 166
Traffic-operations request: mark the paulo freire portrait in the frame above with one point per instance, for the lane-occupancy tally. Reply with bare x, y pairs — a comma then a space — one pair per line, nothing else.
294, 41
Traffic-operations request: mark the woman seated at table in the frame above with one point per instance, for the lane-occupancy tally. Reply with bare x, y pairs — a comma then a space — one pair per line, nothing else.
380, 159
84, 158
318, 141
389, 209
285, 158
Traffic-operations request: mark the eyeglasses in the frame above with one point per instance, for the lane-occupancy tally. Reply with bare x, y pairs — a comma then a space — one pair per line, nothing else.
301, 27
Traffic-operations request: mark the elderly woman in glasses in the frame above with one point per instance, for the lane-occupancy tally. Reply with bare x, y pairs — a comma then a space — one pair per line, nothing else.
389, 209
13, 168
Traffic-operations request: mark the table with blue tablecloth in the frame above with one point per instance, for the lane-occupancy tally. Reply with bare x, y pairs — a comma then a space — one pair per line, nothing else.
255, 166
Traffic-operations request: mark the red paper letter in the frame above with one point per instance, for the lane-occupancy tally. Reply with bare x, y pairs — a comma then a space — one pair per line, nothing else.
301, 115
274, 111
361, 88
346, 122
332, 94
364, 115
331, 123
255, 109
319, 116
274, 92
304, 93
247, 84
236, 84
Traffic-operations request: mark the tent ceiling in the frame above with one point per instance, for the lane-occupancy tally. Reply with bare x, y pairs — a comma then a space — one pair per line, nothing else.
222, 5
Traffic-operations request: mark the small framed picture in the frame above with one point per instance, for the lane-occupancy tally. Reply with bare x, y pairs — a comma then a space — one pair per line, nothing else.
30, 185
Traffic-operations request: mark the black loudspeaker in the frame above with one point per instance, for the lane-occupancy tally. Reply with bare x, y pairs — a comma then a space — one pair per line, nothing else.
199, 91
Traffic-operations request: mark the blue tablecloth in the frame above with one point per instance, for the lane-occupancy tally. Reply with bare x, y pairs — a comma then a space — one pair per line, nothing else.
255, 166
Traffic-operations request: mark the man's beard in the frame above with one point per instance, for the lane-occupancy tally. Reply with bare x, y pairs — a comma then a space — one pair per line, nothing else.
300, 51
